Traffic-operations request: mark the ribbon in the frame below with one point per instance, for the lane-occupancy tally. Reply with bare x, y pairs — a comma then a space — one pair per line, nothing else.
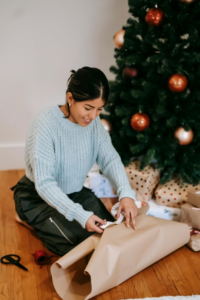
118, 221
40, 257
195, 208
194, 232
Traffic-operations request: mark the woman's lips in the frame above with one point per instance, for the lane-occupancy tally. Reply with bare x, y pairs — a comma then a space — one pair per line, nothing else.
87, 122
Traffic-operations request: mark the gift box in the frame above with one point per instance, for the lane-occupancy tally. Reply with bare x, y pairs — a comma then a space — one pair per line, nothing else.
143, 182
164, 212
190, 215
99, 184
194, 197
194, 242
173, 193
115, 256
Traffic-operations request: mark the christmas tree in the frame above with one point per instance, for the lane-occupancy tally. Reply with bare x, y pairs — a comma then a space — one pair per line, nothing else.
154, 103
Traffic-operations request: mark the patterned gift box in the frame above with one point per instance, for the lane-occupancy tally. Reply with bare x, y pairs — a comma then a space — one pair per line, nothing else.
164, 212
173, 193
143, 182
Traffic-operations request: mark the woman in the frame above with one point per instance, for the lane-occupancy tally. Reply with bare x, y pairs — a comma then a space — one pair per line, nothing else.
62, 145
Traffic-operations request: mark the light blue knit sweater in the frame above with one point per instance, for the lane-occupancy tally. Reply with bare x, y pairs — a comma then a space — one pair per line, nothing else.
59, 154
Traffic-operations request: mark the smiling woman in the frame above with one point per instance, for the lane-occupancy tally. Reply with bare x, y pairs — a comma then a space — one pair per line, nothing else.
63, 143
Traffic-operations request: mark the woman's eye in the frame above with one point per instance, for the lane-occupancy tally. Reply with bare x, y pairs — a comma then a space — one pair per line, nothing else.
89, 109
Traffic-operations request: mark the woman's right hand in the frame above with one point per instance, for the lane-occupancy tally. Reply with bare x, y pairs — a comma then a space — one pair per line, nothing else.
91, 226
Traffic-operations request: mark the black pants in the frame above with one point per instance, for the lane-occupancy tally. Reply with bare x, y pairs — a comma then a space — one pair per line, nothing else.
59, 234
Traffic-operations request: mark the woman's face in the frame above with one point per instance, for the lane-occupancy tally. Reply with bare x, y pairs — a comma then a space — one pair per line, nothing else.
84, 112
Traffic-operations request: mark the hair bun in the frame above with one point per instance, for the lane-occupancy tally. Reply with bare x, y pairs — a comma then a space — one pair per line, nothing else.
73, 72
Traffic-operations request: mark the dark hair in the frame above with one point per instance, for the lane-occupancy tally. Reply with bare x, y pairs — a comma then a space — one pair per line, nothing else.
87, 84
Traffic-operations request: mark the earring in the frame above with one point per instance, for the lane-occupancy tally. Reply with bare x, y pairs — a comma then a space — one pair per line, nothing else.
69, 104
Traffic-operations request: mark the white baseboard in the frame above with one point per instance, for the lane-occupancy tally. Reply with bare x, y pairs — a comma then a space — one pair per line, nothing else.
12, 156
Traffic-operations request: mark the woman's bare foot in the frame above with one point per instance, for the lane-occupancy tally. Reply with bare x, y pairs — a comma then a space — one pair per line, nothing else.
17, 218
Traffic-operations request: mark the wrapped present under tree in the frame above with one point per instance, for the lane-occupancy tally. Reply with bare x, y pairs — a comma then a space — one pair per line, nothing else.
173, 193
143, 182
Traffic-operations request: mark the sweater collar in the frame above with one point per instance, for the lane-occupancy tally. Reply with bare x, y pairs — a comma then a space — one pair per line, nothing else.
67, 123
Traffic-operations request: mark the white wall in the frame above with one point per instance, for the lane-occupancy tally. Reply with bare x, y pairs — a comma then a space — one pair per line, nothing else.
41, 41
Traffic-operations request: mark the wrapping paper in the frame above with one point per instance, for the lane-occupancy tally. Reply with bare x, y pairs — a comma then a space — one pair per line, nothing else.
173, 193
143, 182
102, 262
190, 215
194, 197
155, 210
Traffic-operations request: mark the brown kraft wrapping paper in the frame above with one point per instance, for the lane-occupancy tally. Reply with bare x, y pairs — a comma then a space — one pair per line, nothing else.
116, 255
193, 197
190, 215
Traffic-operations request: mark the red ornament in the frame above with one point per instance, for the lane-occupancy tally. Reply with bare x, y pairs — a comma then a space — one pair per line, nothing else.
119, 38
154, 17
140, 121
177, 83
129, 72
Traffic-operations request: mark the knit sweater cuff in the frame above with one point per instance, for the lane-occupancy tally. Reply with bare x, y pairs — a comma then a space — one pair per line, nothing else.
82, 217
130, 193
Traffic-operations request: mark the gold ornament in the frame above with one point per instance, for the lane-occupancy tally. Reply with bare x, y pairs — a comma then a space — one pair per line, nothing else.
184, 137
140, 121
187, 1
107, 125
119, 38
177, 83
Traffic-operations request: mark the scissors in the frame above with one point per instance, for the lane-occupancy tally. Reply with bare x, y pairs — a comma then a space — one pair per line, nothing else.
13, 261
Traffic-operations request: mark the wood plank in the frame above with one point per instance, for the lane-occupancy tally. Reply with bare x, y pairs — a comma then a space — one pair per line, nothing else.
156, 286
179, 280
193, 259
2, 239
188, 272
13, 273
129, 290
141, 286
103, 296
116, 293
163, 274
4, 291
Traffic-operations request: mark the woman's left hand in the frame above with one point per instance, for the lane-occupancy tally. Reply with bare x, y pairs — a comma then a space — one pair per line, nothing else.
130, 208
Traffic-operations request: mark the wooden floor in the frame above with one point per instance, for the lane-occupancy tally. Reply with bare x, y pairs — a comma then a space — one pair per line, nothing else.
176, 274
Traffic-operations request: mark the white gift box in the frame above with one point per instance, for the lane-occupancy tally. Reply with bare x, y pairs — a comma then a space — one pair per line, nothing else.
99, 184
164, 212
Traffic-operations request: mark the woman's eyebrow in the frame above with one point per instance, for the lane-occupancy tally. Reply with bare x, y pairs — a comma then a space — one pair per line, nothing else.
93, 106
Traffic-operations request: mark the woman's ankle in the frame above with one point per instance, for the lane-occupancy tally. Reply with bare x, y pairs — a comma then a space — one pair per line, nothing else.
17, 218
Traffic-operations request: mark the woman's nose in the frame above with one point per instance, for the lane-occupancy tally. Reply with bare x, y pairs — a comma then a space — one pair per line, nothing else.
93, 115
